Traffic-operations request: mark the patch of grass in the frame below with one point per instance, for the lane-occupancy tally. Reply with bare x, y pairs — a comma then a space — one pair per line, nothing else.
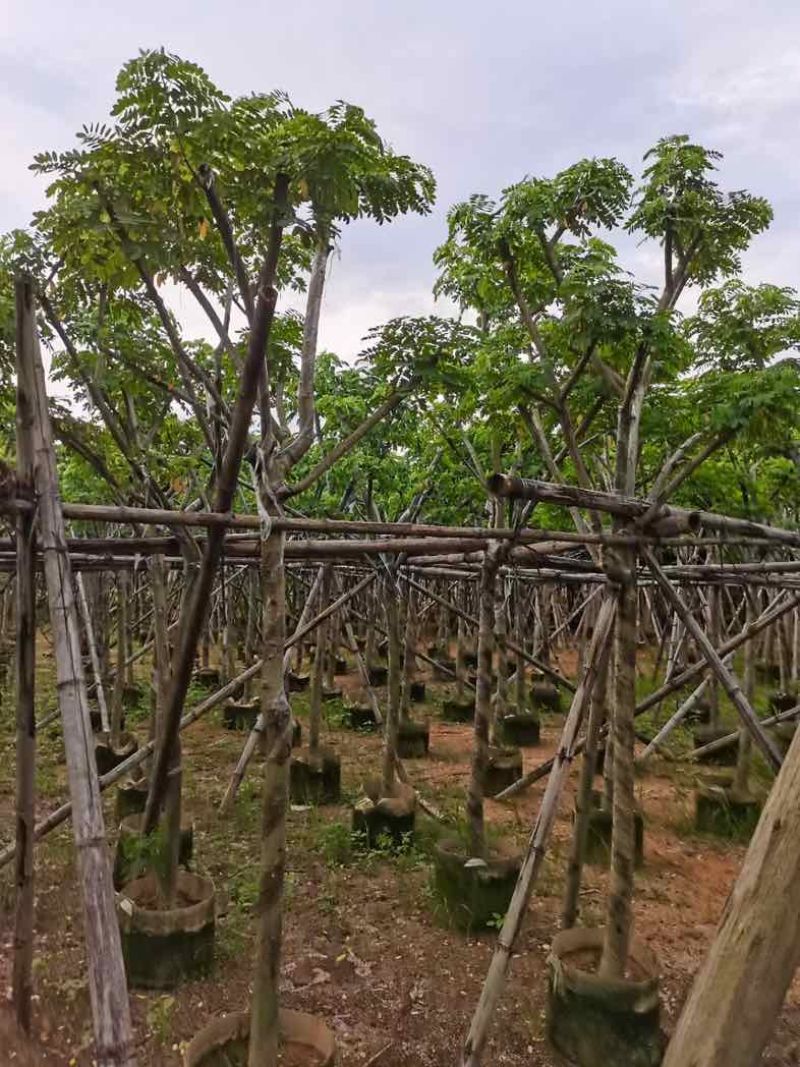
336, 843
159, 1018
335, 714
230, 942
243, 888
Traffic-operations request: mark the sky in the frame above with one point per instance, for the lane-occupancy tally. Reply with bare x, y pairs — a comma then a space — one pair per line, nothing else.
484, 93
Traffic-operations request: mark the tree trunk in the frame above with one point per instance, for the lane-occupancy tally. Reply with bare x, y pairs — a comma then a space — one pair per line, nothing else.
391, 720
195, 608
619, 917
483, 708
263, 1049
519, 627
583, 799
501, 633
409, 654
732, 1009
537, 844
172, 801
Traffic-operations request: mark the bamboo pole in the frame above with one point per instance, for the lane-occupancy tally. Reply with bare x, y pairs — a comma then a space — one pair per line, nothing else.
674, 721
318, 670
665, 519
686, 676
96, 669
303, 627
726, 677
107, 985
512, 646
62, 813
22, 985
721, 743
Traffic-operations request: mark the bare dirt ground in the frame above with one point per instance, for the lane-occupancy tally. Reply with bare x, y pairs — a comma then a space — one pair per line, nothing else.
362, 946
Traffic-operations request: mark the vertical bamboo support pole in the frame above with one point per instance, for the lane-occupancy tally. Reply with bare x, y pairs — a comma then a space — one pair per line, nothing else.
97, 670
107, 984
317, 677
25, 687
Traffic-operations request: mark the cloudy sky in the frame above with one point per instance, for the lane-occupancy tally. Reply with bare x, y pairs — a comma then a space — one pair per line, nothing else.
482, 92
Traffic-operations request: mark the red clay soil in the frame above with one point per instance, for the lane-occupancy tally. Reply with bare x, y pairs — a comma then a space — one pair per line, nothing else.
362, 948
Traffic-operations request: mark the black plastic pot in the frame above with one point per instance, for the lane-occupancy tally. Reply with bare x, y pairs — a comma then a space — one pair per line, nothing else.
417, 692
603, 1022
208, 677
545, 696
224, 1041
381, 819
725, 757
132, 693
161, 948
127, 856
131, 796
297, 682
724, 811
315, 777
109, 757
240, 716
361, 717
601, 825
413, 739
505, 768
519, 728
378, 676
782, 701
458, 710
700, 713
472, 893
783, 734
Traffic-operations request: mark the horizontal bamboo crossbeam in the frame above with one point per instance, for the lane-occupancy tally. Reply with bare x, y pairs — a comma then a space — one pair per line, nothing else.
663, 520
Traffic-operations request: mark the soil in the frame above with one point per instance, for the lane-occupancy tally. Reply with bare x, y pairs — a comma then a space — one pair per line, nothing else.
362, 948
588, 961
294, 1055
148, 899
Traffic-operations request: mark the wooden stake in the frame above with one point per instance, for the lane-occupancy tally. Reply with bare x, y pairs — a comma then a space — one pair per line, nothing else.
25, 683
93, 654
107, 985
